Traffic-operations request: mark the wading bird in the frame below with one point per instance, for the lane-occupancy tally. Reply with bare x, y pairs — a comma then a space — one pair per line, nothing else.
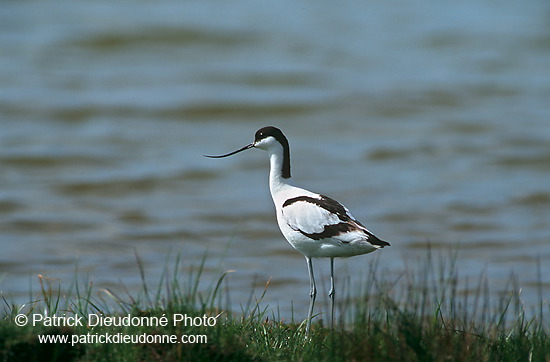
314, 224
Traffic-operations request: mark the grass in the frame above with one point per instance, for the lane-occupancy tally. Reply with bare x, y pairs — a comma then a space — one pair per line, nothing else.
421, 316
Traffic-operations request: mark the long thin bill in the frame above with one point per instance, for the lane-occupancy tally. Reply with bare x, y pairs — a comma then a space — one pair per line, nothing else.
232, 153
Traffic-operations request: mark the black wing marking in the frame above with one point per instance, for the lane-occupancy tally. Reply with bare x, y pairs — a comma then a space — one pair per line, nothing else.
329, 231
347, 222
324, 202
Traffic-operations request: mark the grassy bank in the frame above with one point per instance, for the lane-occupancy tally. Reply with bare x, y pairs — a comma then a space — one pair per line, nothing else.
425, 319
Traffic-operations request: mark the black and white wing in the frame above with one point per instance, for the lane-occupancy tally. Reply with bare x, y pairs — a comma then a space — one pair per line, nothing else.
324, 218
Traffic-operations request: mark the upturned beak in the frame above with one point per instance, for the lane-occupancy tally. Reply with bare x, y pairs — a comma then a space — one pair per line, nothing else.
234, 152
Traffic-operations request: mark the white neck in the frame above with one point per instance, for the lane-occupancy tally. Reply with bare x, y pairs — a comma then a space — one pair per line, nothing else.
276, 180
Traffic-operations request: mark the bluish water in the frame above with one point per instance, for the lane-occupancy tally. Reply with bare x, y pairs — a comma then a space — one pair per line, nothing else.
429, 120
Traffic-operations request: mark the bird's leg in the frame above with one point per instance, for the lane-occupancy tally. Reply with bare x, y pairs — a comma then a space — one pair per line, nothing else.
312, 293
331, 293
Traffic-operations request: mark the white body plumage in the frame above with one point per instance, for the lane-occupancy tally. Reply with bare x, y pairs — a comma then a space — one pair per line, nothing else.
313, 224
